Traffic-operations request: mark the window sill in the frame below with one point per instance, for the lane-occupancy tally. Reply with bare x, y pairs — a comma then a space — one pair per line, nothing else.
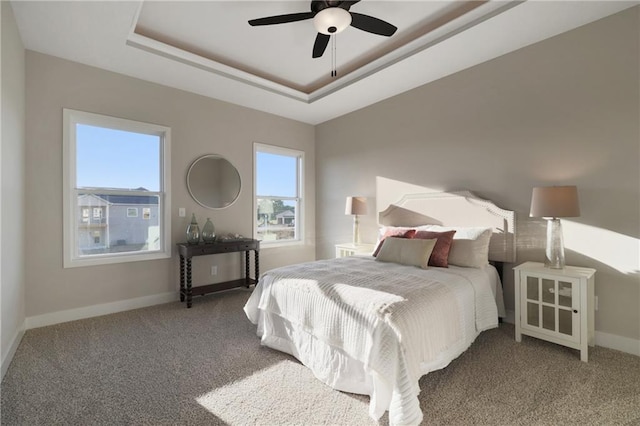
268, 244
109, 260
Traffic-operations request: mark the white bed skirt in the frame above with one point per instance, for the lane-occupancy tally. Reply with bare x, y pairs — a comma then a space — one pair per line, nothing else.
334, 367
343, 373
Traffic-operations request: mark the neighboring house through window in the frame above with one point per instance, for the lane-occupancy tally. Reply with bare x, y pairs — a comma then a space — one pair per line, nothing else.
278, 202
112, 168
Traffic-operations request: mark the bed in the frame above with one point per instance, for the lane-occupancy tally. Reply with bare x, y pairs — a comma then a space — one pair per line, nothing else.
371, 326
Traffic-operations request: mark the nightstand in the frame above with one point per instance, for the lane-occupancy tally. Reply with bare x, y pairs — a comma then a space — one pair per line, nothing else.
556, 305
349, 249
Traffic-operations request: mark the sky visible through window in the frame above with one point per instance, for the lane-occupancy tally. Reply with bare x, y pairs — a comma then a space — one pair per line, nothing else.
277, 175
108, 158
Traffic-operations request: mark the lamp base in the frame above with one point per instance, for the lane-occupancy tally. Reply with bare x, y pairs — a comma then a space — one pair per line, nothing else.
356, 231
554, 253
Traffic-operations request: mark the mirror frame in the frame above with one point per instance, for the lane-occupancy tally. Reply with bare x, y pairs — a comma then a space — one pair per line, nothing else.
195, 198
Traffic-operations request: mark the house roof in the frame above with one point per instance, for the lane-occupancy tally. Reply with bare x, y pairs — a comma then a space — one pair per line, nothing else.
129, 199
286, 213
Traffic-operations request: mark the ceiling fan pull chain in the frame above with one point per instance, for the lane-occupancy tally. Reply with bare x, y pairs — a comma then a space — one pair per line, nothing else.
333, 56
334, 72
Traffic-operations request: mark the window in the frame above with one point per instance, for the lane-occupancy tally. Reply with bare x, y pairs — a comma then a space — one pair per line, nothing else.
113, 167
278, 202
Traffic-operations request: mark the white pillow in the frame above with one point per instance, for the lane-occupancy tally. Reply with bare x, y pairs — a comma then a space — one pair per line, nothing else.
470, 245
413, 252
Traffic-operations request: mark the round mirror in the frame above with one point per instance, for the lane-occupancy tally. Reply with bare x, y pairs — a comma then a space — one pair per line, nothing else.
213, 182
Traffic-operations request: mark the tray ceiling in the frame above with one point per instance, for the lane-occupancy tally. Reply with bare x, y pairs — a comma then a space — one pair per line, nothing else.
208, 47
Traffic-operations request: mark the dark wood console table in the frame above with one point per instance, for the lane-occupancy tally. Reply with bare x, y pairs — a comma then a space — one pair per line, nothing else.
187, 251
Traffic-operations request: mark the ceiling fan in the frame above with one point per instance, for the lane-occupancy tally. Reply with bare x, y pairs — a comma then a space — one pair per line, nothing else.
329, 18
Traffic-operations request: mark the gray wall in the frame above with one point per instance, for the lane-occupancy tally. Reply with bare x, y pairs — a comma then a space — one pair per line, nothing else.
562, 111
12, 206
199, 126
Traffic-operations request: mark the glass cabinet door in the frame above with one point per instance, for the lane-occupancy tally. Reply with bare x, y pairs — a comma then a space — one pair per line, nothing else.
550, 306
532, 310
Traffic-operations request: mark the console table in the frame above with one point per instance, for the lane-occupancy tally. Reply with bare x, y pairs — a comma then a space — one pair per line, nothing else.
188, 251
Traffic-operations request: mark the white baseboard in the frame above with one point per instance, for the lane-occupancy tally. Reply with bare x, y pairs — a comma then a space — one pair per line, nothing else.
606, 340
13, 347
98, 310
619, 343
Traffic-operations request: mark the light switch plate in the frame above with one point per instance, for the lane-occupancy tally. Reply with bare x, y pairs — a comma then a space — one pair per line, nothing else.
182, 212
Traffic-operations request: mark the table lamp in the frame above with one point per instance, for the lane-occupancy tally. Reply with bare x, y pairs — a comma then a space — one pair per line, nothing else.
552, 203
356, 206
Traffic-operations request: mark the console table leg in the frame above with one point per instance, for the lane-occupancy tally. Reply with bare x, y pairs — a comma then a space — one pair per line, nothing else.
246, 267
188, 282
257, 265
182, 278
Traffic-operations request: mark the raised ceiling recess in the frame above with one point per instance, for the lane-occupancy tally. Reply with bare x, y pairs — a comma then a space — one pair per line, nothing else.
208, 47
278, 57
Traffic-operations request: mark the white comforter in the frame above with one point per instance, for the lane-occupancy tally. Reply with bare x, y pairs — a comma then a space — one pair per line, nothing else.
374, 328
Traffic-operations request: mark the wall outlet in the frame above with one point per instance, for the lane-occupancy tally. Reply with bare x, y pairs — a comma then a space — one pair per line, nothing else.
214, 270
182, 212
596, 303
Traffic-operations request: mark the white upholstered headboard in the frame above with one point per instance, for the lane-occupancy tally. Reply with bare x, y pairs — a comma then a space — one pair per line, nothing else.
456, 209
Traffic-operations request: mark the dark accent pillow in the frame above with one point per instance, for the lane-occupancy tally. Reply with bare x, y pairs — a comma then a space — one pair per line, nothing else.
440, 253
394, 233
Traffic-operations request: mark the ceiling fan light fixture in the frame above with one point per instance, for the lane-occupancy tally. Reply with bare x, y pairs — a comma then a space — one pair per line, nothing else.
332, 20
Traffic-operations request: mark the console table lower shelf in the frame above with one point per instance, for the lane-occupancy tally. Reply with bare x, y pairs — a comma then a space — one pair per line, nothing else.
187, 251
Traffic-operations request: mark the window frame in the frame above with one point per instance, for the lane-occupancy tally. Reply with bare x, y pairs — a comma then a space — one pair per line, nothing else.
300, 214
71, 258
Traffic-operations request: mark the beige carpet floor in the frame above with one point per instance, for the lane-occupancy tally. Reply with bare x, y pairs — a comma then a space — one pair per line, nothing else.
166, 365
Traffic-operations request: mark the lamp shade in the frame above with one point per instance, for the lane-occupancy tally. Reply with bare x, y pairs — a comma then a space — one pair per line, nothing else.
554, 201
356, 206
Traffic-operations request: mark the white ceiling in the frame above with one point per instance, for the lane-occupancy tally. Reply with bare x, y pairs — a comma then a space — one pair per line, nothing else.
207, 47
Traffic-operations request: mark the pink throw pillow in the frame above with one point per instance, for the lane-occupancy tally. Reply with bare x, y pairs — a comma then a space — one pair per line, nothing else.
440, 253
394, 233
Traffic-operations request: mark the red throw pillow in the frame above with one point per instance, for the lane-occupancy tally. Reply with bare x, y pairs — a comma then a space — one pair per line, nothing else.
394, 233
440, 253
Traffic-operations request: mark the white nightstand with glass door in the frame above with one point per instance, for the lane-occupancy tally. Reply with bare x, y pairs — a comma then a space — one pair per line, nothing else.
350, 249
556, 305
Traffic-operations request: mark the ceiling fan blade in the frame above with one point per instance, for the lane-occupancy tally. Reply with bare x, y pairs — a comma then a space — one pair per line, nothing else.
347, 4
372, 25
322, 40
281, 19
